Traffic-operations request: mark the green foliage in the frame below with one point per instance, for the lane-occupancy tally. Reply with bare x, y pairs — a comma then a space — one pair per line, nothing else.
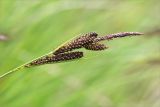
126, 74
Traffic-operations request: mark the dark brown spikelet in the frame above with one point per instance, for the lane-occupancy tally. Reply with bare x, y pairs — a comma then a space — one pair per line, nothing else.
65, 57
95, 47
39, 61
56, 58
117, 35
77, 43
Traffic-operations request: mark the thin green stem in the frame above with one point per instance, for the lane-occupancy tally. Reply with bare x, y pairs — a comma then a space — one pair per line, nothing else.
12, 71
21, 66
24, 65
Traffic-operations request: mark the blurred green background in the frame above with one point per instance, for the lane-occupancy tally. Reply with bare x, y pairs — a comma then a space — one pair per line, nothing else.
125, 75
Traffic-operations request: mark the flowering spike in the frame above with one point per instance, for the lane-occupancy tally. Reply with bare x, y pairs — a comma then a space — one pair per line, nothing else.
56, 58
88, 41
95, 47
77, 43
117, 35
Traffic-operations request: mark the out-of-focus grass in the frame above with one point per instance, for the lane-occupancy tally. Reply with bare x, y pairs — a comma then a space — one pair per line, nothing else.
125, 75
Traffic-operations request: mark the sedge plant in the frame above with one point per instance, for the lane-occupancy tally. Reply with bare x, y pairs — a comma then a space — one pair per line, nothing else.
68, 51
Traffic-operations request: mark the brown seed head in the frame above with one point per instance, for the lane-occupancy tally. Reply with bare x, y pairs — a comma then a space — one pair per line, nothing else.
65, 57
77, 43
95, 47
56, 58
